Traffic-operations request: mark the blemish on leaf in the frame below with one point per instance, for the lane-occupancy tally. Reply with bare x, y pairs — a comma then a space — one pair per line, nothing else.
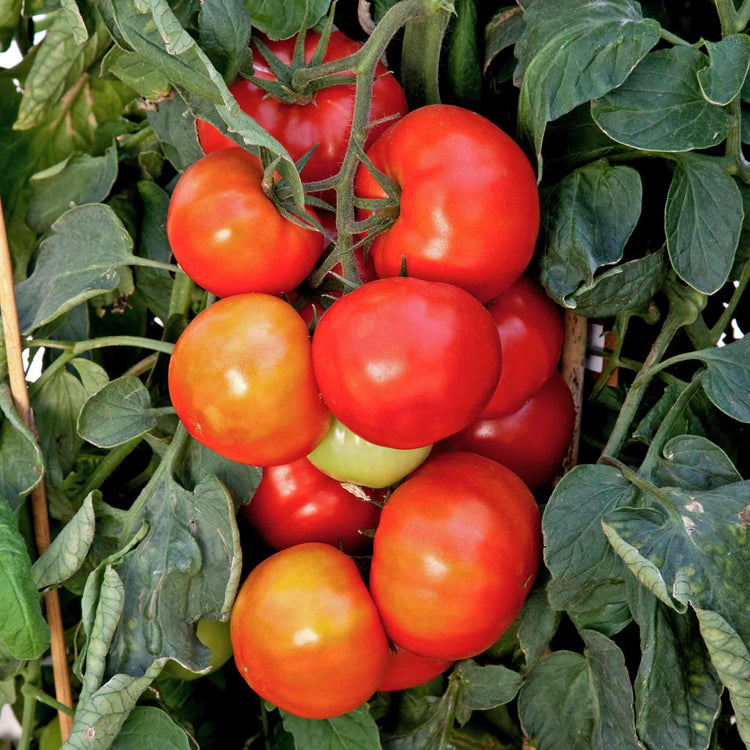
694, 507
90, 733
689, 525
744, 516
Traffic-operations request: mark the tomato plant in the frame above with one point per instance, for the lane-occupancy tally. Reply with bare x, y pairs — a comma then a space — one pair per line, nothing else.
248, 355
404, 362
306, 634
454, 556
297, 503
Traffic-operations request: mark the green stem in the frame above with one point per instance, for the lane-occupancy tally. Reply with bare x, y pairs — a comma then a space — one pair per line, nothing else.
665, 428
699, 334
31, 675
32, 693
727, 16
264, 722
742, 17
668, 36
179, 302
108, 464
726, 316
148, 263
640, 482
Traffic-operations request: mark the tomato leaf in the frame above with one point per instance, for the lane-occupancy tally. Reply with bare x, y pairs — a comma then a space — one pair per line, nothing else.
503, 31
722, 80
677, 690
356, 730
727, 379
150, 725
464, 68
571, 52
224, 27
10, 14
135, 72
602, 607
282, 20
22, 627
483, 688
694, 462
538, 624
68, 551
588, 218
175, 126
661, 107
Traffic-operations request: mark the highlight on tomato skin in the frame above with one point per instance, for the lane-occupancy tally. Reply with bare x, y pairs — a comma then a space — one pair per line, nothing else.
296, 503
306, 634
406, 670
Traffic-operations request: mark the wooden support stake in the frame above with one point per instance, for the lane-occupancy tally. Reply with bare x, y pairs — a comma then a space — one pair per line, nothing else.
39, 514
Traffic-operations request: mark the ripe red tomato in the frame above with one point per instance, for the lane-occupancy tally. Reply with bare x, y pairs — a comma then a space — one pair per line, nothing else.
229, 237
454, 556
407, 670
324, 121
306, 634
532, 441
531, 335
469, 202
241, 380
296, 503
404, 363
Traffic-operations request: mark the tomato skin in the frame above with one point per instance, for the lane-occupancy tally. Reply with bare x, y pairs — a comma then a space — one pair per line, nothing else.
241, 380
349, 458
407, 670
214, 635
229, 237
469, 203
531, 335
295, 503
532, 441
324, 121
454, 556
404, 362
306, 634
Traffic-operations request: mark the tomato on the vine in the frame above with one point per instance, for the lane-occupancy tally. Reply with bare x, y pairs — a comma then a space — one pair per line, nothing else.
215, 636
347, 457
531, 335
406, 670
297, 503
324, 121
454, 556
532, 441
306, 634
241, 380
469, 210
228, 236
404, 362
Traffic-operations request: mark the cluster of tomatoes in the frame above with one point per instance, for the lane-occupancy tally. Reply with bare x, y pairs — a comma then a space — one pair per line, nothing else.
408, 369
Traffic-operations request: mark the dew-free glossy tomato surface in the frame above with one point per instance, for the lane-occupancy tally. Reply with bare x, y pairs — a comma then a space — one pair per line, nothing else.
324, 121
532, 441
407, 670
306, 634
297, 503
469, 210
229, 237
241, 380
214, 635
349, 458
454, 556
531, 335
404, 362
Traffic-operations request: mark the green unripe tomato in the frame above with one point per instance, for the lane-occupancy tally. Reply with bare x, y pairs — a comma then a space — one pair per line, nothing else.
215, 636
349, 458
51, 737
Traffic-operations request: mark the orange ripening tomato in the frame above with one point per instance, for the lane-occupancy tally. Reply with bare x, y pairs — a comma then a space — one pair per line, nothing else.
454, 556
532, 441
407, 670
241, 380
306, 634
531, 335
469, 212
228, 236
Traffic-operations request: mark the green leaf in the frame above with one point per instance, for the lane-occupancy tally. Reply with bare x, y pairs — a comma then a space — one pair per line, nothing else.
21, 465
503, 31
175, 126
77, 260
117, 413
703, 221
483, 688
727, 379
22, 627
150, 726
628, 286
677, 691
224, 27
68, 551
9, 666
575, 701
730, 656
7, 692
356, 730
575, 551
10, 14
539, 622
693, 550
722, 80
76, 21
661, 107
602, 607
588, 218
463, 64
282, 20
75, 181
573, 51
185, 569
694, 462
135, 72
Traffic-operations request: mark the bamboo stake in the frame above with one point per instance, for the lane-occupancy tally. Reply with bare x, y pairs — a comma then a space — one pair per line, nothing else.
39, 514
